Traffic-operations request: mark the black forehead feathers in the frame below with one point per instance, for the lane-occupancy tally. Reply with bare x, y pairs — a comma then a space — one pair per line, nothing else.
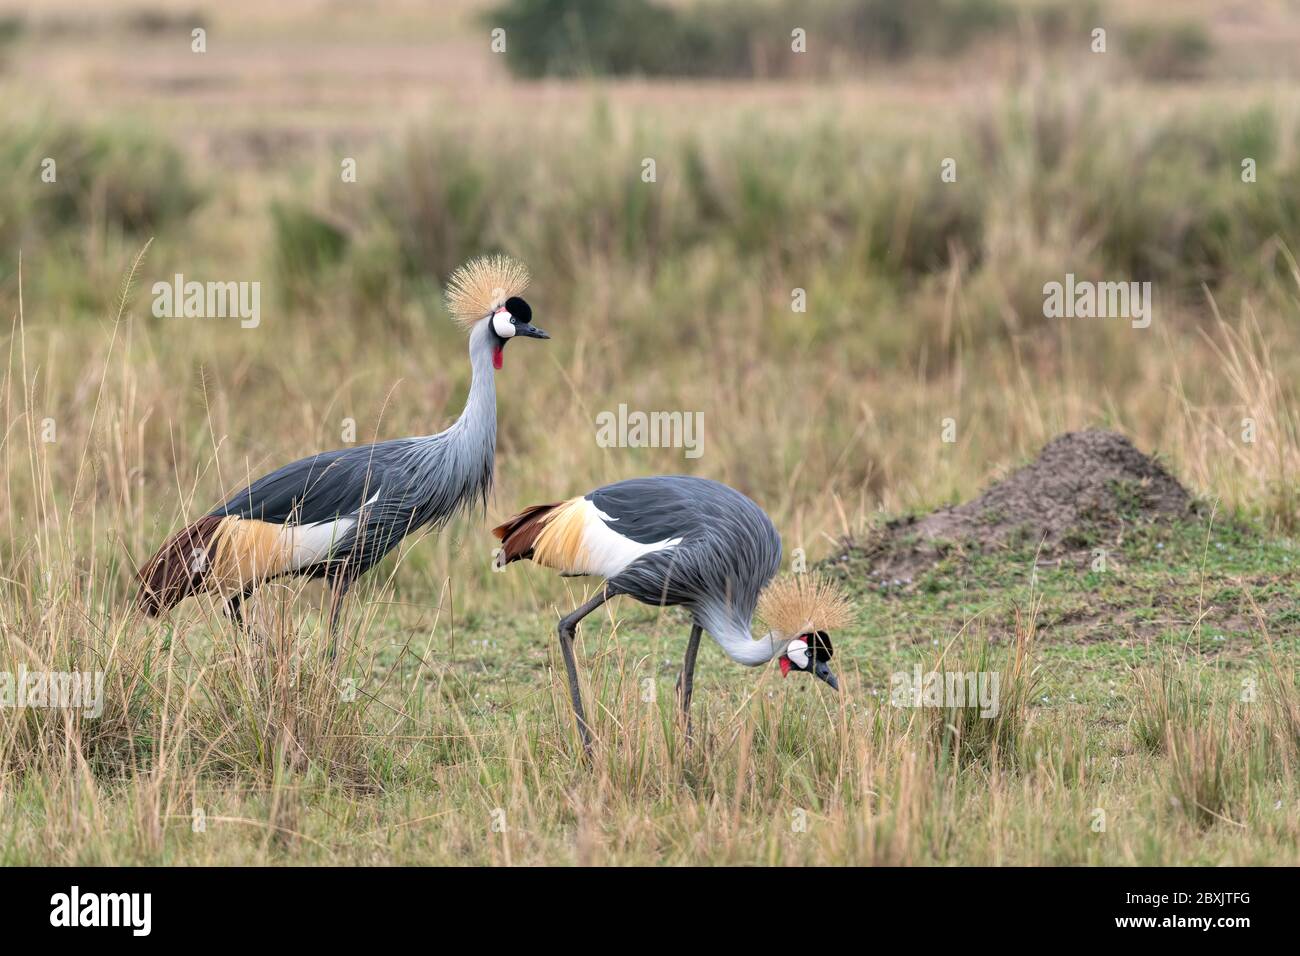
520, 309
820, 645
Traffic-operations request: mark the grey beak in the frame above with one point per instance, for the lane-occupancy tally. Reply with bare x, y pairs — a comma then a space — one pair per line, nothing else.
823, 672
532, 331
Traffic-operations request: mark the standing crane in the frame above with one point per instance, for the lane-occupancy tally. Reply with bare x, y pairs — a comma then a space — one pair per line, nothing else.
677, 540
335, 514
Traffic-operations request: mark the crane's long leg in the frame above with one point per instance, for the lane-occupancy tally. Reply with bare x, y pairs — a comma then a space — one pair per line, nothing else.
686, 680
339, 587
234, 607
567, 628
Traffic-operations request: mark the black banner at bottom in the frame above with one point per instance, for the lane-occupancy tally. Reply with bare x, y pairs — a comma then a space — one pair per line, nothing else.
341, 906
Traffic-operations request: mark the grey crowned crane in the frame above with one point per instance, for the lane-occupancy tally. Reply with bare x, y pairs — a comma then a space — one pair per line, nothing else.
335, 514
677, 540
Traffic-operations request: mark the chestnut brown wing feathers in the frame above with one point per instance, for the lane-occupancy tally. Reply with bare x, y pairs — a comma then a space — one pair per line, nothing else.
172, 574
518, 535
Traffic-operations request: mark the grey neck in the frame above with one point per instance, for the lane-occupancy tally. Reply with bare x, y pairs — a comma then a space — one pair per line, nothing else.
734, 637
460, 460
476, 429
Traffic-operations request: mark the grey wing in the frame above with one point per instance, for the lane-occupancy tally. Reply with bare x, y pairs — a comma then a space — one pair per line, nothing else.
729, 548
654, 509
318, 488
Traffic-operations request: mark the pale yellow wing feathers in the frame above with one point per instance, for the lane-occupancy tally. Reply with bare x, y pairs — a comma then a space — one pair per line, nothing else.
560, 545
247, 551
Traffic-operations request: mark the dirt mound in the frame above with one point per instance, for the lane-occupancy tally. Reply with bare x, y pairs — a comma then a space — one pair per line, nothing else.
1080, 493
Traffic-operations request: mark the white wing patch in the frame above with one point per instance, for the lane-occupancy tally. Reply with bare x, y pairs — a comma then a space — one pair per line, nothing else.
311, 543
607, 552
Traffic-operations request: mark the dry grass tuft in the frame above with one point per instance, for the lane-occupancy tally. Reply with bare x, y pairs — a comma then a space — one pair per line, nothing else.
961, 726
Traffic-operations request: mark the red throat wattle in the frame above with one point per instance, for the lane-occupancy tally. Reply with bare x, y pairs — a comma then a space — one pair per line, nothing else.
785, 666
497, 356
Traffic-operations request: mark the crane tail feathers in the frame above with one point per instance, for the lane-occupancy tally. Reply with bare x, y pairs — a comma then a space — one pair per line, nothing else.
575, 538
519, 534
224, 553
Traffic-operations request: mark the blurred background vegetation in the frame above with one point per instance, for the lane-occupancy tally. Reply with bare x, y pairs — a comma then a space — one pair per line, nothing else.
749, 40
776, 171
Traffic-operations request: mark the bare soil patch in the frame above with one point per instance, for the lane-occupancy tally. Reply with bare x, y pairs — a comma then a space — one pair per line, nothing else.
1082, 490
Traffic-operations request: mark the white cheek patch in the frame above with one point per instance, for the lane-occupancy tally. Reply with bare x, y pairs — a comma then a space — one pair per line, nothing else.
502, 325
797, 651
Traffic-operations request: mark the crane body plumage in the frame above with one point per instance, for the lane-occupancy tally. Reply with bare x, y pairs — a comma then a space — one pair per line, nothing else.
669, 540
337, 513
372, 496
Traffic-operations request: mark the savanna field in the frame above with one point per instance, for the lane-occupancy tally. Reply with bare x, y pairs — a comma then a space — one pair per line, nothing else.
864, 338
